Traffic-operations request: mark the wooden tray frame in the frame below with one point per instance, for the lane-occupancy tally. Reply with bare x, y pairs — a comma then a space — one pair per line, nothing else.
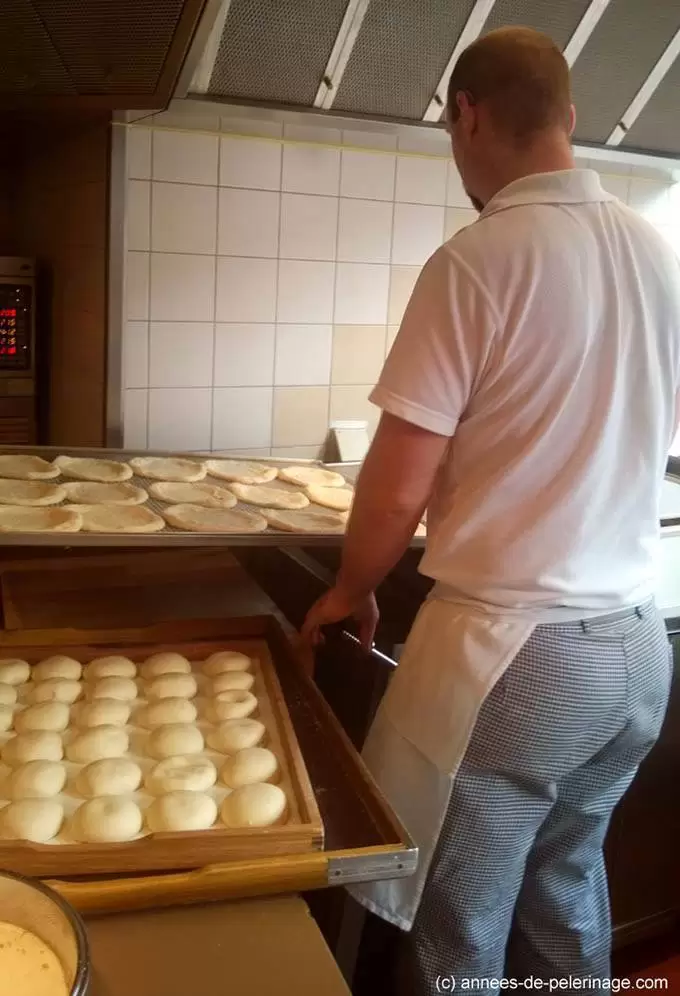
161, 851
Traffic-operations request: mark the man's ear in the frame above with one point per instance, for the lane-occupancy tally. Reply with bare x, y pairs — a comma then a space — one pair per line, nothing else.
572, 119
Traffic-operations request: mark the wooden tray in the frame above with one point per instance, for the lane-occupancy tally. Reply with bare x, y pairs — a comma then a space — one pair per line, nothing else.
302, 833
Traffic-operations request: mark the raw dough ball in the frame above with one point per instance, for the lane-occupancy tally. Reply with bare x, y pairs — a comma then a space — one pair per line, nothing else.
181, 811
8, 694
56, 690
226, 660
114, 666
14, 671
258, 805
102, 712
6, 717
36, 780
173, 740
124, 689
43, 716
32, 819
173, 686
255, 764
165, 663
233, 705
165, 711
97, 743
110, 776
232, 681
106, 819
58, 666
34, 746
236, 734
190, 774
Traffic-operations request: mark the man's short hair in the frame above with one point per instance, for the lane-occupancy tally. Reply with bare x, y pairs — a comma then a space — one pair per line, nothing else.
523, 78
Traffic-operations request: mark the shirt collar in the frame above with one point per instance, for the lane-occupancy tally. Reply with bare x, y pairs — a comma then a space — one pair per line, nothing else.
568, 186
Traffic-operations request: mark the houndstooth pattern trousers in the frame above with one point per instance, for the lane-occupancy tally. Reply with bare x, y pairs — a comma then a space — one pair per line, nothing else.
517, 886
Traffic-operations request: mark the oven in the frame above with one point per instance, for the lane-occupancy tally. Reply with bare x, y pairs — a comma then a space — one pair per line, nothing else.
17, 350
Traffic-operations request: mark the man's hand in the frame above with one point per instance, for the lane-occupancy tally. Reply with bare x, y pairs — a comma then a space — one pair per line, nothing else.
335, 606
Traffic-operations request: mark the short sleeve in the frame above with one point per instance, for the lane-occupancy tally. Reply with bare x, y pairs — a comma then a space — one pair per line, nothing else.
441, 347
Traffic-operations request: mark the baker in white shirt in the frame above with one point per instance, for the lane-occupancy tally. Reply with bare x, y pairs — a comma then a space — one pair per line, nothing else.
529, 403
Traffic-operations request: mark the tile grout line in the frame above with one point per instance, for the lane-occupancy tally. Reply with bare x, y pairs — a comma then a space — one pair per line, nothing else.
148, 305
215, 259
272, 420
391, 275
329, 405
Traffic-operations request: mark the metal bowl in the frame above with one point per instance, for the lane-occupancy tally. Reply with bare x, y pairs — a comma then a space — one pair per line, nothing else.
35, 907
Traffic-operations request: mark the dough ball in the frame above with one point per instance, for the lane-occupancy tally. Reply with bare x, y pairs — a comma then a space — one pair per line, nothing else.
233, 681
236, 734
233, 705
106, 819
114, 666
36, 780
165, 663
14, 671
58, 666
110, 776
188, 774
173, 686
32, 819
181, 811
116, 687
226, 660
35, 746
43, 716
102, 712
97, 743
6, 717
8, 694
258, 805
173, 740
255, 764
165, 711
56, 690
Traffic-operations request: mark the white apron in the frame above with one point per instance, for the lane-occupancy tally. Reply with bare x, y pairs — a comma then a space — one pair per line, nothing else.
452, 659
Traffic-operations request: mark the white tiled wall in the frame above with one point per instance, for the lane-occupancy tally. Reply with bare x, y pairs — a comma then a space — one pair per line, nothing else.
267, 273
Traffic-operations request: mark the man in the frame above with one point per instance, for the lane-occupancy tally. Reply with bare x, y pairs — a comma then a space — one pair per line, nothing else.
528, 403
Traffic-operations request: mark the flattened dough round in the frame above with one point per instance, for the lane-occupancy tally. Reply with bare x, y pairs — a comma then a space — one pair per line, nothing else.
339, 499
14, 671
312, 475
97, 743
169, 468
36, 780
201, 493
20, 519
243, 471
254, 494
110, 776
94, 493
196, 519
259, 805
14, 492
232, 681
106, 819
118, 519
57, 666
232, 705
102, 712
236, 734
181, 811
43, 716
8, 694
248, 767
189, 774
114, 688
174, 740
38, 820
113, 666
93, 469
172, 686
224, 661
27, 468
165, 712
6, 717
166, 662
308, 520
35, 746
56, 690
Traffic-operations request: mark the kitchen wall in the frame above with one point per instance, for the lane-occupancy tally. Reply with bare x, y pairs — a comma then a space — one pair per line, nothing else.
7, 232
267, 271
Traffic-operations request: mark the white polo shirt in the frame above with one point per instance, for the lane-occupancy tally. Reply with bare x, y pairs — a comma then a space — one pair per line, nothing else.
544, 339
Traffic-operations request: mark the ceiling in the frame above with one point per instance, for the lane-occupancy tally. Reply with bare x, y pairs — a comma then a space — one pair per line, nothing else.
390, 59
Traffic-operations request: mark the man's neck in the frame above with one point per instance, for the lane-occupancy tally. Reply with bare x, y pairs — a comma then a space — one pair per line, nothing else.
545, 158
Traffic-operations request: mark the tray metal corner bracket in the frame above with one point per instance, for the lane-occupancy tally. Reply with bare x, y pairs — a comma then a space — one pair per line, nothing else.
349, 868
